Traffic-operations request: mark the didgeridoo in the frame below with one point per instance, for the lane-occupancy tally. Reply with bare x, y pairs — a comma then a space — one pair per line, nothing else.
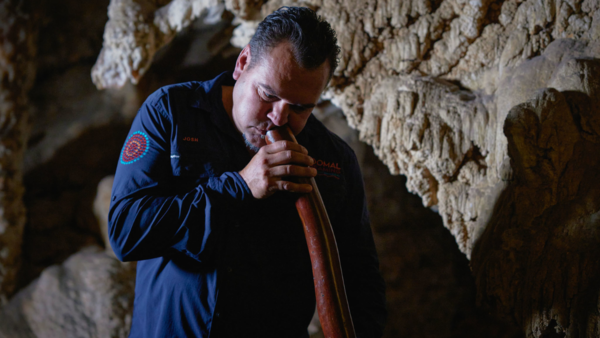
330, 293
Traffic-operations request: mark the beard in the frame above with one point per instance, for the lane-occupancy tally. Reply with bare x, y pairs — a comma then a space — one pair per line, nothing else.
250, 145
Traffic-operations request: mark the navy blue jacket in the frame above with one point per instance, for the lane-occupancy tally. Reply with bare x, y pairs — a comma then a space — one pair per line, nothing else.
214, 261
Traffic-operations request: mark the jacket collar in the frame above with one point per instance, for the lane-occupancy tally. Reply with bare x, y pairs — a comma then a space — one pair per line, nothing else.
208, 97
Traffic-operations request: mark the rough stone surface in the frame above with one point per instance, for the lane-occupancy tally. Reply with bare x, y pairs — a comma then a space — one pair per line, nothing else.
542, 240
77, 132
65, 105
90, 295
60, 198
137, 29
17, 51
430, 291
244, 9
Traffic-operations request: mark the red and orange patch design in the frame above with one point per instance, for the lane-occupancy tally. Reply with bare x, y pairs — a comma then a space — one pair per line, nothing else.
135, 147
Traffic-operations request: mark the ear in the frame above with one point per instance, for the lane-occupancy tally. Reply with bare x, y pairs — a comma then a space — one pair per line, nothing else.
242, 63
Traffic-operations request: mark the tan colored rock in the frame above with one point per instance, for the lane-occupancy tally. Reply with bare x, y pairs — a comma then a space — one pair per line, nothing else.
17, 72
89, 295
71, 96
246, 10
542, 240
137, 29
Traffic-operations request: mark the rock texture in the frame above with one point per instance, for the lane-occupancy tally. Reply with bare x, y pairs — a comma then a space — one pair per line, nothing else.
90, 295
429, 288
60, 198
17, 70
137, 29
489, 109
67, 105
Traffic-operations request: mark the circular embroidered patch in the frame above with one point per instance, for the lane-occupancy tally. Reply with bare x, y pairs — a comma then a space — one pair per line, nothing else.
135, 147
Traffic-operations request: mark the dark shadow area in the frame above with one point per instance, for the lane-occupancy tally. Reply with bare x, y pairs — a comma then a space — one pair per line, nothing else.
430, 288
59, 197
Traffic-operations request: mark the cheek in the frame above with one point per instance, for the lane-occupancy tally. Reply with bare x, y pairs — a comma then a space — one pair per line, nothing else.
258, 110
250, 110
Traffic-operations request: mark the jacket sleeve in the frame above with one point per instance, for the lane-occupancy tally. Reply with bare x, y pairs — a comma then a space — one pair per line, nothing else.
153, 212
365, 287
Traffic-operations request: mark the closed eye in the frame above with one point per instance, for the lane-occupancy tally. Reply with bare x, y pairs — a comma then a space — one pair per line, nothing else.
266, 96
263, 93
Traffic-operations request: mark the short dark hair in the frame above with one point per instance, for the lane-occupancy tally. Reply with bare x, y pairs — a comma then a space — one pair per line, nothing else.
312, 38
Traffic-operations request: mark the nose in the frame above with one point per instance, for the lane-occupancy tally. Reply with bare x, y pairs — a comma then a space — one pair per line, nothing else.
279, 114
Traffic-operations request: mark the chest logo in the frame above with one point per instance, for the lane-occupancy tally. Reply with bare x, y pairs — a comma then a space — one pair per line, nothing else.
135, 147
190, 139
329, 169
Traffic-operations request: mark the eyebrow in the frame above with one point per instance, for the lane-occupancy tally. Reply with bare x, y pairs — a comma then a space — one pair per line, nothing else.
271, 91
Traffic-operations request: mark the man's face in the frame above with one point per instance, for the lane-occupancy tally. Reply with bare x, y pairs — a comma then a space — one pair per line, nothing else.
274, 92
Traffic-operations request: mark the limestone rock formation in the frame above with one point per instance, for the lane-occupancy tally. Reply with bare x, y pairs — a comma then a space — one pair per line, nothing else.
542, 241
90, 295
17, 71
489, 109
137, 29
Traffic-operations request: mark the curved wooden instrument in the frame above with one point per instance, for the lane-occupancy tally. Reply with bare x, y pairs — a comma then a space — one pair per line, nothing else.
332, 304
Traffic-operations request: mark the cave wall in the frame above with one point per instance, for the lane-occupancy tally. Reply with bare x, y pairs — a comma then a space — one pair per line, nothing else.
17, 71
488, 108
66, 284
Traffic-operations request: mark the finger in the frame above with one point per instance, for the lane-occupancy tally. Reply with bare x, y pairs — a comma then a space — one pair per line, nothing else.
280, 146
289, 156
292, 170
292, 187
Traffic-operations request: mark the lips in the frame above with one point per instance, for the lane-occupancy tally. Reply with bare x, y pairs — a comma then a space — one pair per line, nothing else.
261, 131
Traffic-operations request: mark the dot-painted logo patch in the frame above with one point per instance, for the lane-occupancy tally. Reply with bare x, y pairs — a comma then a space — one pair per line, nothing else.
135, 147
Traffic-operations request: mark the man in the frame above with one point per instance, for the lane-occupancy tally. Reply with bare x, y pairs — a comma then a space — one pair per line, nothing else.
208, 208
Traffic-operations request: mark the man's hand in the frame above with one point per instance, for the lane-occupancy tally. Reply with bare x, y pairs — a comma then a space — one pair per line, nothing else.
281, 159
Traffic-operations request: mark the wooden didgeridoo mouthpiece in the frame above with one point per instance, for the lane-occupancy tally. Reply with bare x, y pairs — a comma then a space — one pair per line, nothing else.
330, 293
